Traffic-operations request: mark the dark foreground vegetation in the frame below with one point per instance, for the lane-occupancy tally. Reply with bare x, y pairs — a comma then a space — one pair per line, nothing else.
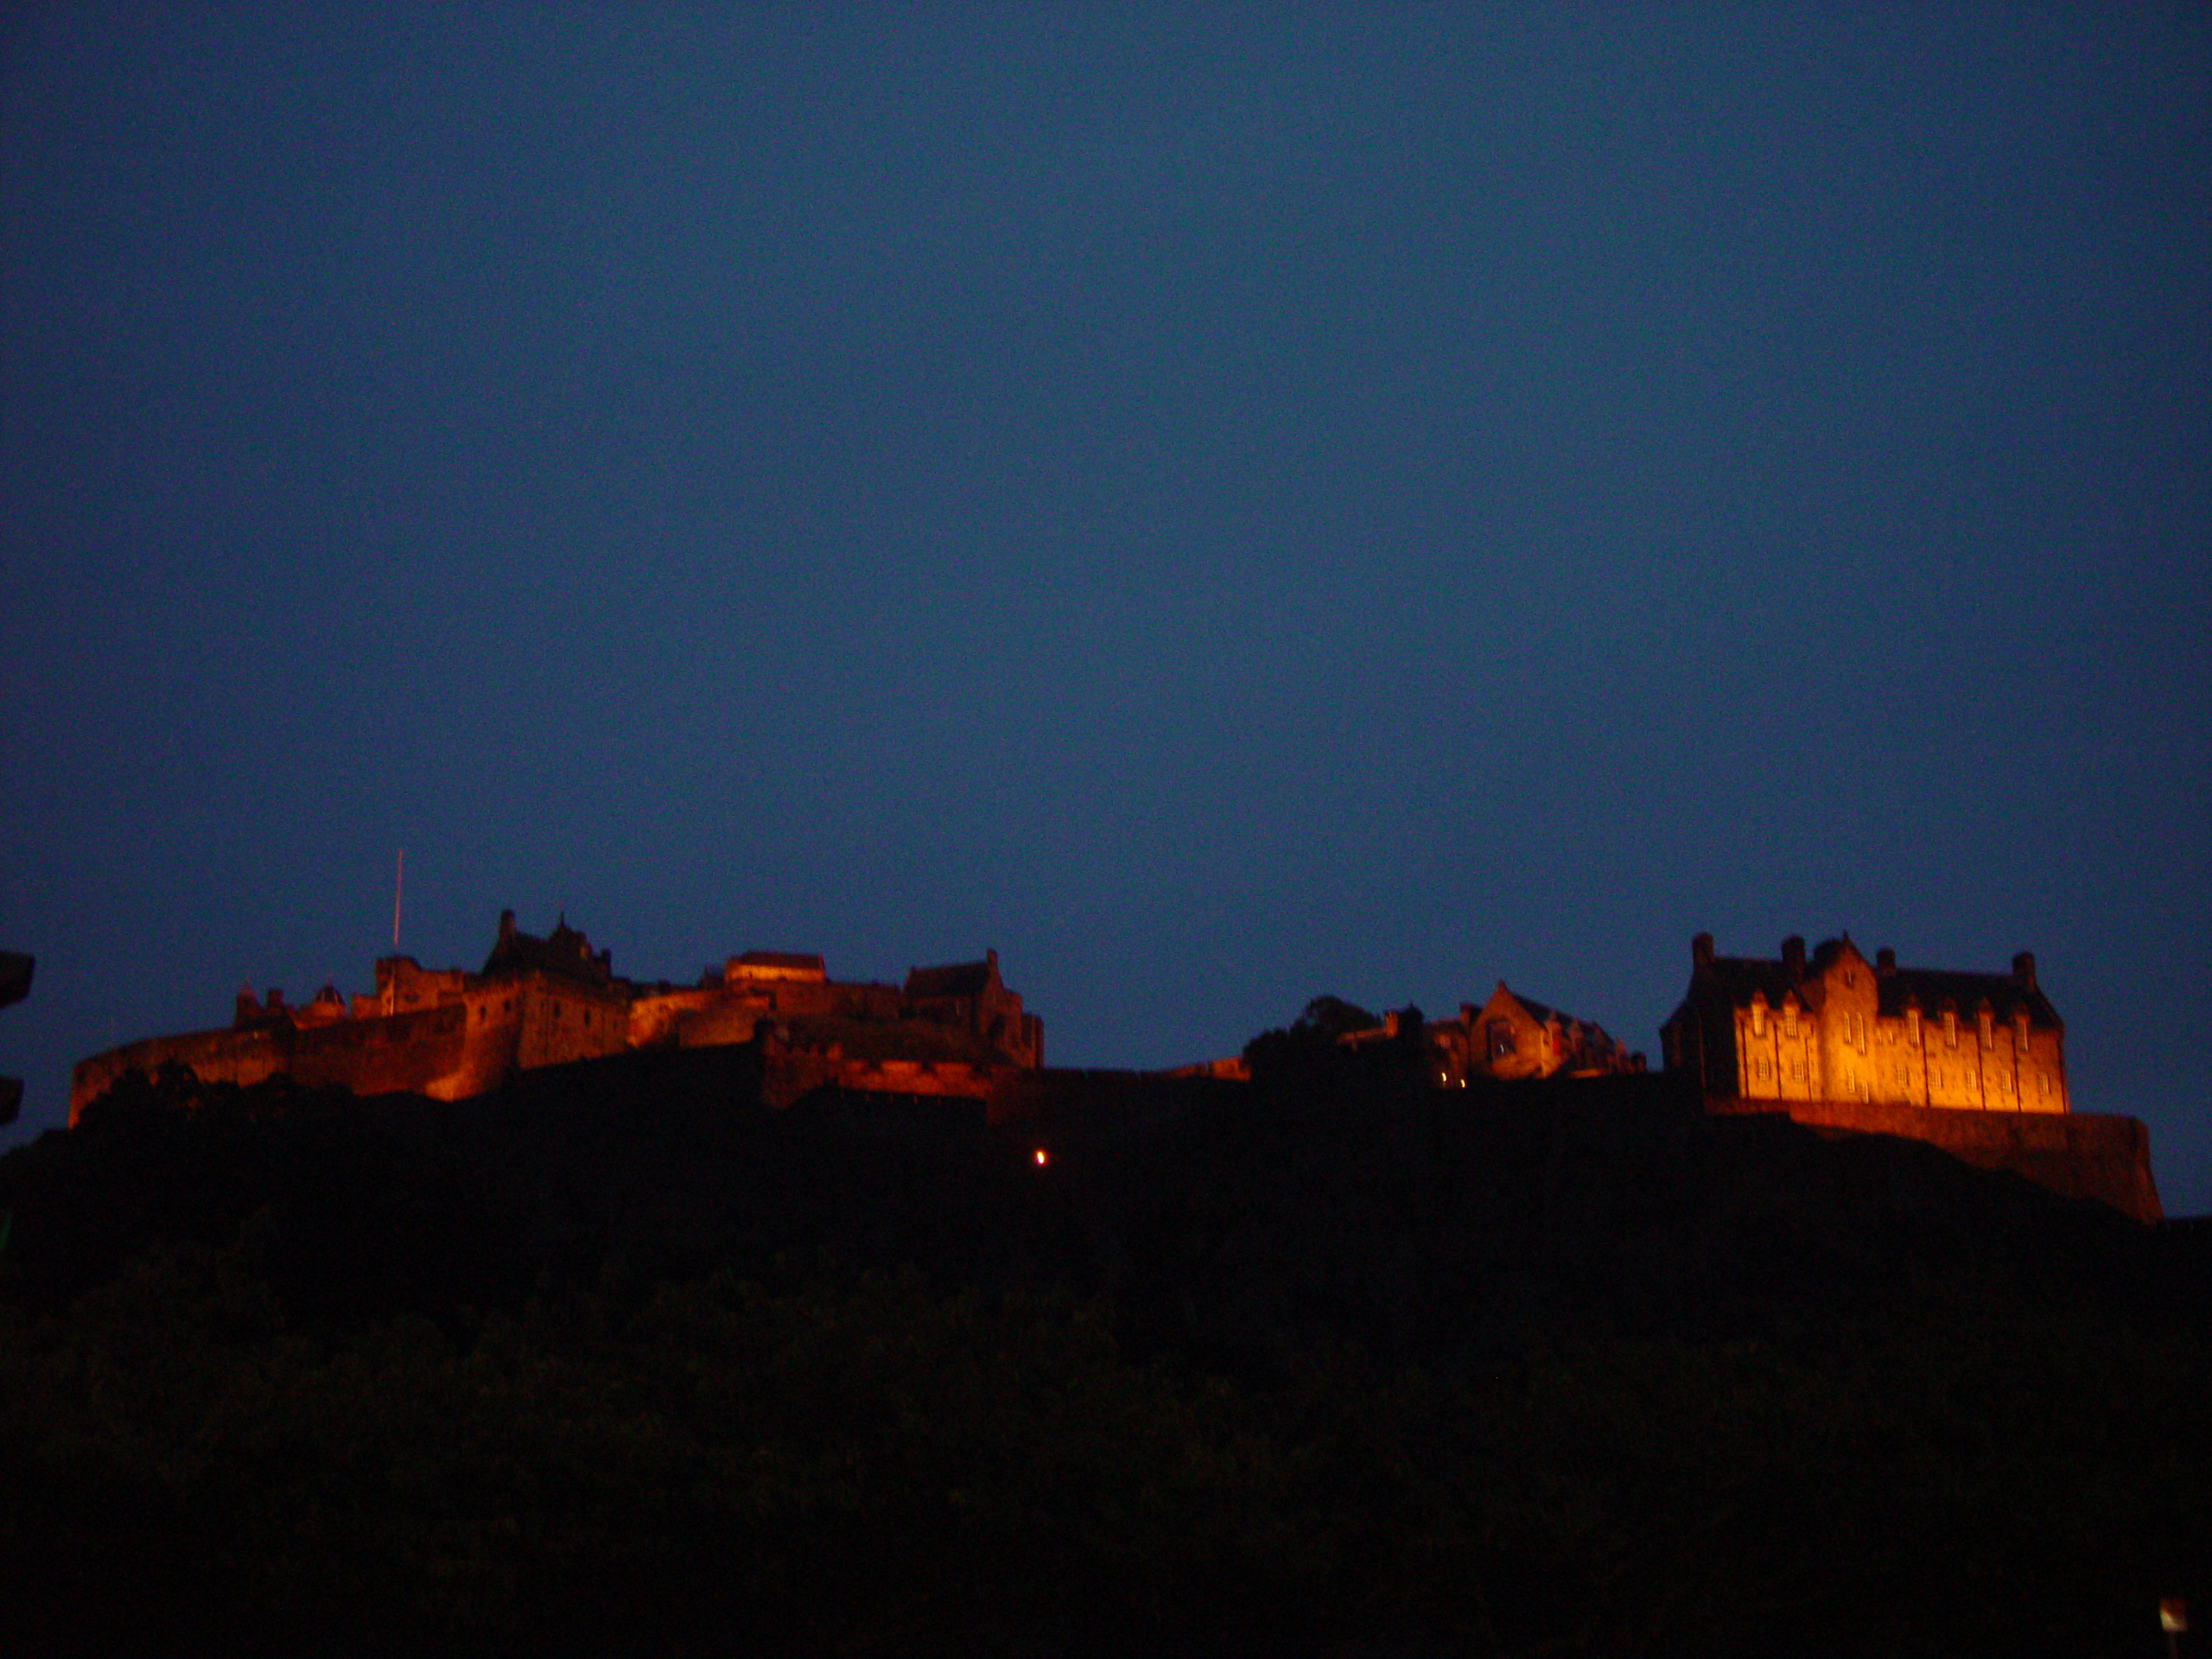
619, 1362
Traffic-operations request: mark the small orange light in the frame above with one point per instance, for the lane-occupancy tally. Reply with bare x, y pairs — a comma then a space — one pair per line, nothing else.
1041, 1158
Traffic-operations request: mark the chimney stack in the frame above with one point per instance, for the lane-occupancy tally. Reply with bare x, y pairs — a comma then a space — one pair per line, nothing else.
1885, 961
1700, 951
1792, 955
2023, 970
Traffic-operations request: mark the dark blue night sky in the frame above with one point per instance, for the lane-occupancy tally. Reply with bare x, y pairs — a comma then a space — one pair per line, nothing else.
1220, 504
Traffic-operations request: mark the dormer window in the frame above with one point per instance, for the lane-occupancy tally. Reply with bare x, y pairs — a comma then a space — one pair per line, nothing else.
1759, 1014
1950, 1028
1988, 1029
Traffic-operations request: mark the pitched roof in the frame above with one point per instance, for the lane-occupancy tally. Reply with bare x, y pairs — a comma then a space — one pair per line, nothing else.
1934, 987
1543, 1013
1738, 978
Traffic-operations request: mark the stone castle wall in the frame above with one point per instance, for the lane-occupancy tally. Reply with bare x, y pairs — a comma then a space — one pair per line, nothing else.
449, 1034
430, 1051
2080, 1154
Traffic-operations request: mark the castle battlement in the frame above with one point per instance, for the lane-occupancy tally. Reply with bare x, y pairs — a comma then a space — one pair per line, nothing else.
451, 1034
1835, 1027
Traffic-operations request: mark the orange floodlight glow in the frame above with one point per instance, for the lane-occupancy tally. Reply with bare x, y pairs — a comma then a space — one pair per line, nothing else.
1041, 1158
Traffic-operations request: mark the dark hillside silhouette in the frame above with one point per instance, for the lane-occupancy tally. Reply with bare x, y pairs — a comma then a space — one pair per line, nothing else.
619, 1359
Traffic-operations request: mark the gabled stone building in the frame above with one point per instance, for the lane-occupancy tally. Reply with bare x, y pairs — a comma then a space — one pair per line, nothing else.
1512, 1037
1835, 1027
971, 996
1973, 1062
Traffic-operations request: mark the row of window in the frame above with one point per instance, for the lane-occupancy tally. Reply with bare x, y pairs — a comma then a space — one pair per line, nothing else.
1855, 1031
1941, 1080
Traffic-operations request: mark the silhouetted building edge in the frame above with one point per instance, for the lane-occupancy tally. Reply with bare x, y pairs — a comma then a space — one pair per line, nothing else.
954, 1031
1974, 1063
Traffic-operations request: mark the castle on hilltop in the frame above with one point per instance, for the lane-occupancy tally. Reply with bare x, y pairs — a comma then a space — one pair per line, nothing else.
449, 1033
1973, 1062
1836, 1026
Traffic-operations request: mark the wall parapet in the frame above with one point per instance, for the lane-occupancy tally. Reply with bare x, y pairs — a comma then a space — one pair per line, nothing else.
2095, 1156
451, 1035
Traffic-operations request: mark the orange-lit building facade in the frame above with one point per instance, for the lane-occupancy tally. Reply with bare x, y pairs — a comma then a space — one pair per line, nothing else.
1511, 1037
449, 1034
1835, 1026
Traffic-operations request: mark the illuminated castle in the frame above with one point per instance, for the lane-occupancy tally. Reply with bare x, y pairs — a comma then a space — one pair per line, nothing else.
450, 1034
1973, 1062
1509, 1038
1836, 1026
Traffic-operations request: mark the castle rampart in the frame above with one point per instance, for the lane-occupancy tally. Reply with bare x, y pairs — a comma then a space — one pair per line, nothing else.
1974, 1063
450, 1034
2081, 1154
